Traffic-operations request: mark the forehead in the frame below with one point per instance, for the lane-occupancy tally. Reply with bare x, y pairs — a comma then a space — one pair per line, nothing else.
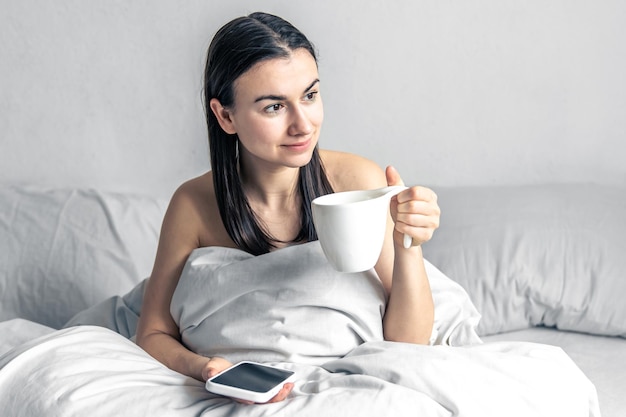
277, 76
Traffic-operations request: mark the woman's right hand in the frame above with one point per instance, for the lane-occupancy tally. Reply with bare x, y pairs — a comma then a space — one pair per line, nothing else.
214, 366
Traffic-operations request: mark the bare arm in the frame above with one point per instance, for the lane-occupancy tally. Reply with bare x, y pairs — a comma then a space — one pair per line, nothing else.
157, 333
410, 312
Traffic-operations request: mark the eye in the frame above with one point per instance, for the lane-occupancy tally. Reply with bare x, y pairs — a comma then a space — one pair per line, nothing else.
311, 96
273, 108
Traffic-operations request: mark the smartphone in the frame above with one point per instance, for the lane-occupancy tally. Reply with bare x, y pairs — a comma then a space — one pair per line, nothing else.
250, 381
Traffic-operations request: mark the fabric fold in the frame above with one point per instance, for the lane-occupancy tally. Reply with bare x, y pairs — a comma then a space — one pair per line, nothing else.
287, 305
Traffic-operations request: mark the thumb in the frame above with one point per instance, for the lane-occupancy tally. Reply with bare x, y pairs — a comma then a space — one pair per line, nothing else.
214, 366
393, 176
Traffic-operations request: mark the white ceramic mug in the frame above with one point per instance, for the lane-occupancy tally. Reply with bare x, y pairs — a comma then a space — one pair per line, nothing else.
351, 226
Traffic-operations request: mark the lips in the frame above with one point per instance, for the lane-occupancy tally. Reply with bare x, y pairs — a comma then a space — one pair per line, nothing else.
300, 146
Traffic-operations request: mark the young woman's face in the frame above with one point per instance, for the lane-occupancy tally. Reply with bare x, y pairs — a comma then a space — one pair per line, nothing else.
278, 111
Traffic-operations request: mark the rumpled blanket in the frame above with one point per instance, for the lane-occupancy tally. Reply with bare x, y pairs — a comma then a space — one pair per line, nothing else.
231, 303
456, 317
288, 305
93, 371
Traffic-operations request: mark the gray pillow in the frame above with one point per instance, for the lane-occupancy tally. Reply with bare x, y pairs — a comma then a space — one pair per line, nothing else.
552, 255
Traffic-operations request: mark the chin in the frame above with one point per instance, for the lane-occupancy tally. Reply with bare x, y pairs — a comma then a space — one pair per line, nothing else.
301, 159
299, 163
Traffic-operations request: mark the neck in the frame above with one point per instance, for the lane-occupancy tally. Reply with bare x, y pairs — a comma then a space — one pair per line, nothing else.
273, 188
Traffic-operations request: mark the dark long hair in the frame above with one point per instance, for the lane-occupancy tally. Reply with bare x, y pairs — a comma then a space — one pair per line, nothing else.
236, 47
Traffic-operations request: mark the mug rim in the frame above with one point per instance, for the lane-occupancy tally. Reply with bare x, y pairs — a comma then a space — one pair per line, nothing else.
346, 198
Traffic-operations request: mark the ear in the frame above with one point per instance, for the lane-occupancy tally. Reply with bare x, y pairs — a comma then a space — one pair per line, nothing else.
223, 116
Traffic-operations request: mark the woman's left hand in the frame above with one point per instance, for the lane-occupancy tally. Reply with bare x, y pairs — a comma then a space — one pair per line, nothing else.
414, 211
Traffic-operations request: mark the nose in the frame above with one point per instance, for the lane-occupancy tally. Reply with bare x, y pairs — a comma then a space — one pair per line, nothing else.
300, 122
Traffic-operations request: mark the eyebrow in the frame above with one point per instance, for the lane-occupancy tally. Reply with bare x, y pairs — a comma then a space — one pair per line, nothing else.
280, 98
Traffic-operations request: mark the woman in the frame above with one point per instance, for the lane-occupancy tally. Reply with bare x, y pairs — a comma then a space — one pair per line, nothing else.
264, 114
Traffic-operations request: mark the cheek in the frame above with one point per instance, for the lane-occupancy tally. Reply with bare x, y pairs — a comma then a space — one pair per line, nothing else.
316, 115
261, 131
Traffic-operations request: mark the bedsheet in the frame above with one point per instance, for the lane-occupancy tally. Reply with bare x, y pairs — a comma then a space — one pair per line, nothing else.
90, 370
17, 331
278, 304
296, 281
289, 305
601, 358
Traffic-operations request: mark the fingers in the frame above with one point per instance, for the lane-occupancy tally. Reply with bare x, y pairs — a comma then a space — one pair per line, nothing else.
417, 214
417, 193
283, 393
393, 176
414, 211
214, 366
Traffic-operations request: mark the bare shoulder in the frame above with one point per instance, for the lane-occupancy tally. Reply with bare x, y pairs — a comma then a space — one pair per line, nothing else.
193, 211
348, 171
193, 195
198, 186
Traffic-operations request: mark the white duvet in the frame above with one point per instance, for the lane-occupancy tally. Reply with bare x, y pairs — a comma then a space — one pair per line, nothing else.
92, 371
343, 371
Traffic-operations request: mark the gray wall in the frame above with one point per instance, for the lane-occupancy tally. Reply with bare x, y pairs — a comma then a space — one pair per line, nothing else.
106, 94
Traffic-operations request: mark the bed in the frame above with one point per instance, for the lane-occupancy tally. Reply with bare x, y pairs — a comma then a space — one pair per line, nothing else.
527, 280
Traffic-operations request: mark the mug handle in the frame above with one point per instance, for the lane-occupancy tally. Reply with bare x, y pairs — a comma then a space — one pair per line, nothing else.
408, 241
